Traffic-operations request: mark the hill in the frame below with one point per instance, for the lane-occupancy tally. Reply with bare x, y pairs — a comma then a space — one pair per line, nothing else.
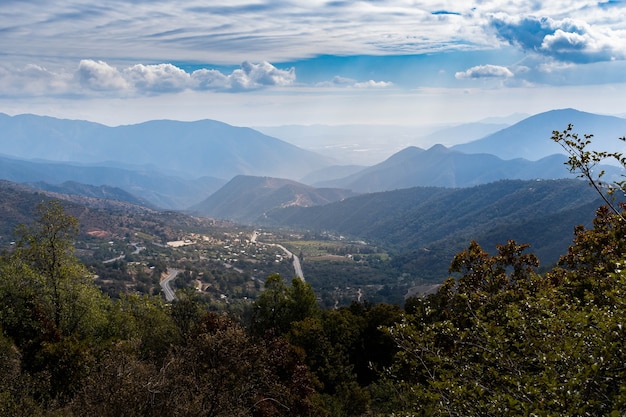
530, 138
194, 149
104, 192
443, 167
246, 199
117, 218
426, 226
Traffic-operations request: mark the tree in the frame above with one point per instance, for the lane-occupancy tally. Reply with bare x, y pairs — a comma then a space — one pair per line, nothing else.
279, 305
49, 305
221, 371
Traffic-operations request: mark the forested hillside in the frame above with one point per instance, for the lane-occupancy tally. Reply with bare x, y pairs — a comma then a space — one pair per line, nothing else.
427, 225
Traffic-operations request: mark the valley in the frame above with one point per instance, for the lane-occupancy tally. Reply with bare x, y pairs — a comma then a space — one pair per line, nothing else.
376, 233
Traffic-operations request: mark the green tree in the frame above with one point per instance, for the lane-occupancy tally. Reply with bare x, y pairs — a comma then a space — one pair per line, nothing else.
279, 305
49, 305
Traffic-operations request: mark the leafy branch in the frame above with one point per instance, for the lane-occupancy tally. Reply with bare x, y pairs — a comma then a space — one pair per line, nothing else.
583, 161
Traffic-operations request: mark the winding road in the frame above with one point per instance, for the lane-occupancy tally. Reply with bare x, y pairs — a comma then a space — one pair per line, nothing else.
165, 284
296, 261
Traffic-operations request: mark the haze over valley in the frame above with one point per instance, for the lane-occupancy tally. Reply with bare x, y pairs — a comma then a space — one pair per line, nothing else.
419, 205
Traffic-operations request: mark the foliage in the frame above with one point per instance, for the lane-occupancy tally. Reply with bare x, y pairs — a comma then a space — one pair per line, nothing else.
503, 340
583, 161
280, 305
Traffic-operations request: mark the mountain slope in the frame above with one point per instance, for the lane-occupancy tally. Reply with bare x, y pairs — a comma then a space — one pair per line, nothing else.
530, 138
201, 148
443, 167
163, 191
245, 199
104, 192
463, 133
432, 224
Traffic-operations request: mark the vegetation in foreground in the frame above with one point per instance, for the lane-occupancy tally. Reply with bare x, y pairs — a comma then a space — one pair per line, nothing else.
497, 338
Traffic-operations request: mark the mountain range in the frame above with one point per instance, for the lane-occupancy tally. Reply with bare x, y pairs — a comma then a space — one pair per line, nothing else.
444, 167
189, 149
184, 165
424, 205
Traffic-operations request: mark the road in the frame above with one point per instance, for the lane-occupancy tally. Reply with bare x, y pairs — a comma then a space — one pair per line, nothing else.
119, 258
296, 261
297, 267
165, 284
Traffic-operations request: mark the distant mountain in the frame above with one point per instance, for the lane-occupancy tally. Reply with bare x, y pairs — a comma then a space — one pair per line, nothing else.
195, 149
443, 167
245, 199
463, 133
427, 225
530, 138
160, 190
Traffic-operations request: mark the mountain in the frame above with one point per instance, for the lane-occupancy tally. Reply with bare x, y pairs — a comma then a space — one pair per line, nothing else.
443, 167
18, 204
426, 226
104, 192
530, 138
245, 199
194, 149
165, 191
463, 133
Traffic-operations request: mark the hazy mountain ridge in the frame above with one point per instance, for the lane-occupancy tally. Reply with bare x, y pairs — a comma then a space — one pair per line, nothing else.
196, 149
444, 167
170, 146
165, 191
530, 138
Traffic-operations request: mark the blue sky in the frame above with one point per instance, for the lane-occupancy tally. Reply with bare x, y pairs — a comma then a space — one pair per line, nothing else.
255, 63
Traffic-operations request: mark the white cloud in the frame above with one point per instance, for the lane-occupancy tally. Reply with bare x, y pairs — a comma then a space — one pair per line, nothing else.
33, 80
258, 75
160, 78
100, 76
566, 40
373, 84
485, 71
339, 81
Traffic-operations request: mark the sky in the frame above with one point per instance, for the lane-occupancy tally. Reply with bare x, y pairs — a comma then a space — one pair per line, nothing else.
305, 62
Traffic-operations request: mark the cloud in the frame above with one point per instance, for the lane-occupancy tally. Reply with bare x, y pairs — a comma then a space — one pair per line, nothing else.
33, 80
99, 76
344, 82
160, 78
167, 78
485, 71
565, 40
260, 75
373, 84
